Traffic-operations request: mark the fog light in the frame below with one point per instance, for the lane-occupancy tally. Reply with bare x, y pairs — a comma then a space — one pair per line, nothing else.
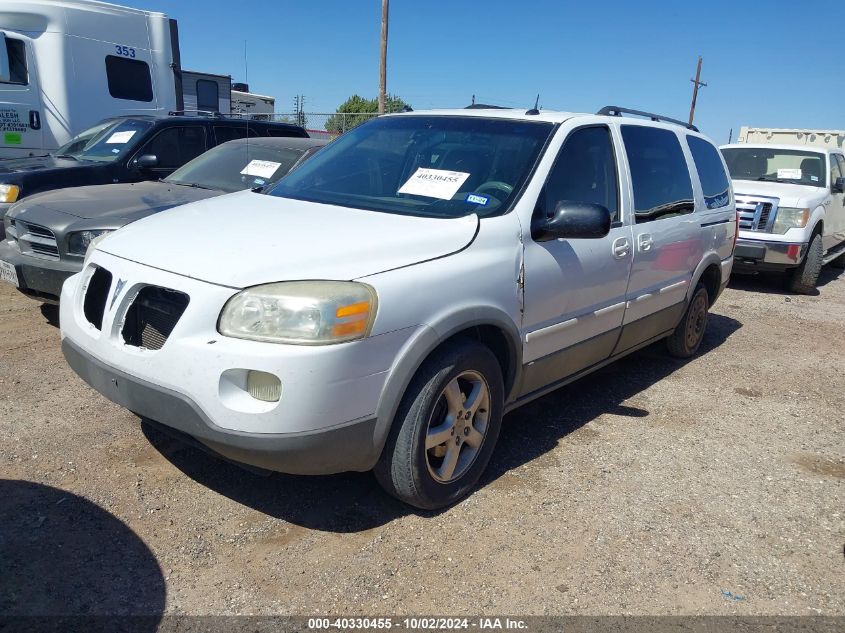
263, 386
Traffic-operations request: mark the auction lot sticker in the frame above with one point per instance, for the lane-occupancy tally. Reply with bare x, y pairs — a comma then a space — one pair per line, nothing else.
434, 183
260, 168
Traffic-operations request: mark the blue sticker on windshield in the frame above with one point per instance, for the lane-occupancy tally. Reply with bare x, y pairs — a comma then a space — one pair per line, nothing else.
259, 181
476, 198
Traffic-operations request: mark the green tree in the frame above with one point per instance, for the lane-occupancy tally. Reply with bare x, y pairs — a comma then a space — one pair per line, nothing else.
357, 109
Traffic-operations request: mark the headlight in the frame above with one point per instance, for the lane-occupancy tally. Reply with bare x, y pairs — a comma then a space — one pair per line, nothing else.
301, 312
92, 247
9, 193
789, 218
78, 242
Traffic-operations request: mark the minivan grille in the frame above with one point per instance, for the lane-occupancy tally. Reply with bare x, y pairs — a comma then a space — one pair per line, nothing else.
36, 240
95, 297
152, 316
755, 212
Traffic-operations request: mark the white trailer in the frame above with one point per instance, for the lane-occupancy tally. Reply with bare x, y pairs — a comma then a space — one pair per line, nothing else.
834, 139
66, 64
246, 102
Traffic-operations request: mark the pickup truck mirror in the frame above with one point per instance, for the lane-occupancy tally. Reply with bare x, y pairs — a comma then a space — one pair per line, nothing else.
147, 161
578, 220
838, 186
5, 69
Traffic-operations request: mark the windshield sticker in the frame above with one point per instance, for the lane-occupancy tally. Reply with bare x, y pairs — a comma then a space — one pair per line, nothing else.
260, 168
434, 183
120, 137
789, 174
814, 178
477, 198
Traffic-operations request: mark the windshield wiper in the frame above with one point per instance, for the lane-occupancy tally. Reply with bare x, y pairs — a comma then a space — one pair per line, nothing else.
768, 179
188, 184
67, 156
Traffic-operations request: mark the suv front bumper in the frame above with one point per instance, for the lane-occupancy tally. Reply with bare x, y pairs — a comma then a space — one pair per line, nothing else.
37, 277
751, 255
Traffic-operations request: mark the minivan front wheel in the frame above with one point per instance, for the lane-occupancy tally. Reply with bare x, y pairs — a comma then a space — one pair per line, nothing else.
446, 427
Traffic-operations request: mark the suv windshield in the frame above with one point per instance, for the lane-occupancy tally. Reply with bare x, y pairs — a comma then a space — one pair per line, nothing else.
776, 165
105, 142
439, 166
236, 166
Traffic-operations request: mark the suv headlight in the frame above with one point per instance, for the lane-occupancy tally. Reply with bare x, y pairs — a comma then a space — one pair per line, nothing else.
79, 241
301, 312
9, 193
790, 218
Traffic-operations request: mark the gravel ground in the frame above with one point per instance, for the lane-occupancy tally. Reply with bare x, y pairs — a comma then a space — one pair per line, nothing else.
655, 486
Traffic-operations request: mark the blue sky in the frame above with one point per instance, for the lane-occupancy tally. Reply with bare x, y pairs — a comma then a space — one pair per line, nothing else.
775, 64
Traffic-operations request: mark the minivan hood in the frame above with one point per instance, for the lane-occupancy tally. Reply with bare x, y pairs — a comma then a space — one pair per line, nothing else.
790, 195
245, 239
130, 201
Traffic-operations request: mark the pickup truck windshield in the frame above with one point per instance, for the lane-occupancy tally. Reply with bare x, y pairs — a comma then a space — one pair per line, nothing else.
437, 166
776, 165
105, 142
234, 167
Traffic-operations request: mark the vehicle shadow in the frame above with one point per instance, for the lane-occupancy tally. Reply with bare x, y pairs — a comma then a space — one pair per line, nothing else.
50, 312
67, 564
772, 283
353, 502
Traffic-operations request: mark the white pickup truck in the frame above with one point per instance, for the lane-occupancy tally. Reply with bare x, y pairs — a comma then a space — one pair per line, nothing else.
790, 200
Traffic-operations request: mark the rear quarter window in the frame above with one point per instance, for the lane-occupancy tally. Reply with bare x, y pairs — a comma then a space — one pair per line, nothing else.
714, 181
661, 180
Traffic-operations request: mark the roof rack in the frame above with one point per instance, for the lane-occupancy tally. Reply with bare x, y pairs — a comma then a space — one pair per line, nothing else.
208, 113
617, 111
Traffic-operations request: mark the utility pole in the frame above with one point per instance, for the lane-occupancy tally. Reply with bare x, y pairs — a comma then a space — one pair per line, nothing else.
382, 84
696, 83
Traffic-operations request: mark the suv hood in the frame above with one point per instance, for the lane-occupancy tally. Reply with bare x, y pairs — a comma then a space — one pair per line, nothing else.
117, 201
245, 239
34, 163
790, 195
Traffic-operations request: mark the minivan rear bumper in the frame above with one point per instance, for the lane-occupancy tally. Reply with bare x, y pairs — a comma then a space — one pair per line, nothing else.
765, 255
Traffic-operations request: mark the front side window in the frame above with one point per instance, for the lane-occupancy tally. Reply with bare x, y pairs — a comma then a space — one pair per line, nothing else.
431, 166
714, 181
232, 167
841, 160
661, 180
129, 79
585, 171
776, 165
208, 95
835, 171
175, 146
105, 142
16, 51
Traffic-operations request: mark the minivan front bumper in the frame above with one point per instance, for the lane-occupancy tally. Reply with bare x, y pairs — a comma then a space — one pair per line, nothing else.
752, 255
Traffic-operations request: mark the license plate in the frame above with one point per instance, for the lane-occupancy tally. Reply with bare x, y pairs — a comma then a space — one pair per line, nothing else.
8, 273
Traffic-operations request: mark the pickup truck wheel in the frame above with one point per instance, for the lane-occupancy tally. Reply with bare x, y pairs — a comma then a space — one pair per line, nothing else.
687, 336
445, 429
802, 279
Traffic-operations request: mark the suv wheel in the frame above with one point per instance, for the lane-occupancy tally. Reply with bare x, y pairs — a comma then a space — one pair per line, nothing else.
802, 279
445, 429
687, 336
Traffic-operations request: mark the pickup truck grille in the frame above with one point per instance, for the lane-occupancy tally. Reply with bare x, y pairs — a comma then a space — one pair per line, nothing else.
756, 213
34, 240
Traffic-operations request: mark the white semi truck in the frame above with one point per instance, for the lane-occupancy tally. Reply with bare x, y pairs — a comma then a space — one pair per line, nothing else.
67, 64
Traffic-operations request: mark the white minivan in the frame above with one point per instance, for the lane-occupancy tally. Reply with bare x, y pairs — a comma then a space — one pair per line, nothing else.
384, 305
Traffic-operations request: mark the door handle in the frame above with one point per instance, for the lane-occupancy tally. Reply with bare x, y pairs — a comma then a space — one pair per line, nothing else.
645, 241
34, 120
621, 247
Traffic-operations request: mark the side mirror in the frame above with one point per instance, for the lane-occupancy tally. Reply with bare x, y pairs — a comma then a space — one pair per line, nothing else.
577, 220
147, 161
838, 186
5, 69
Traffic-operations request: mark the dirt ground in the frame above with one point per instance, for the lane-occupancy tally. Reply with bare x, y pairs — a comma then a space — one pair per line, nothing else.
655, 486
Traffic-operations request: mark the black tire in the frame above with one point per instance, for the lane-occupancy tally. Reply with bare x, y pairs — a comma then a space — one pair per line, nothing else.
407, 469
802, 279
687, 336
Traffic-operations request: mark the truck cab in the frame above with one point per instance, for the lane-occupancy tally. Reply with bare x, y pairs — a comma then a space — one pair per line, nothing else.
790, 200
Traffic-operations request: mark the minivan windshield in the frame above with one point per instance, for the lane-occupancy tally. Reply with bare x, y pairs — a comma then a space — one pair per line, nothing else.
235, 166
105, 142
436, 166
776, 165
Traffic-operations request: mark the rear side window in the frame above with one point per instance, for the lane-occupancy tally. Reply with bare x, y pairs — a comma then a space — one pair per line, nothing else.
711, 172
585, 171
662, 185
129, 79
287, 132
208, 95
175, 146
16, 51
227, 133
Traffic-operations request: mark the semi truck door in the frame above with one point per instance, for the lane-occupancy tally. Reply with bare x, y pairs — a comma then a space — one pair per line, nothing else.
20, 99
